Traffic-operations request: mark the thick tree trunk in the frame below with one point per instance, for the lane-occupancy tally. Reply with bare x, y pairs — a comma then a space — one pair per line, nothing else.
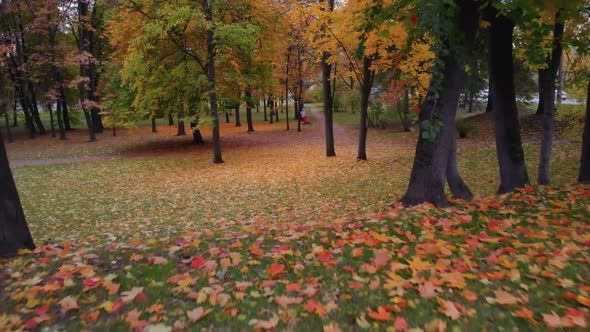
435, 161
154, 127
470, 102
60, 121
51, 122
170, 119
66, 114
211, 78
328, 96
197, 137
513, 172
227, 117
490, 104
541, 105
549, 77
14, 111
584, 176
249, 110
237, 111
365, 94
264, 108
14, 231
271, 105
35, 110
181, 130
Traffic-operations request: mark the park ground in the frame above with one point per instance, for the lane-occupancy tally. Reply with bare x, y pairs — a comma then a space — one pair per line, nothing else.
141, 231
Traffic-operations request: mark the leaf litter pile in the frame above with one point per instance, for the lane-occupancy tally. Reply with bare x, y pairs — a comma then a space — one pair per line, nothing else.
269, 241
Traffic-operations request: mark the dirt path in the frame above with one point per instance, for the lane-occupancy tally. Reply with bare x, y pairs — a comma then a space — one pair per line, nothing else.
340, 133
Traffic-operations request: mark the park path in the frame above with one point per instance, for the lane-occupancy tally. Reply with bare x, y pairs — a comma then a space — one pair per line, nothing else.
341, 134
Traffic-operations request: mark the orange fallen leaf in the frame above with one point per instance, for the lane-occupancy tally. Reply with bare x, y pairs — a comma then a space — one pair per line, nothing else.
380, 314
448, 308
524, 313
197, 314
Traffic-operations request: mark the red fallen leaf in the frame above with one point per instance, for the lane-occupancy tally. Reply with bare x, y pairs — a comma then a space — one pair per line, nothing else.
198, 262
111, 307
355, 284
275, 269
266, 324
427, 290
416, 109
91, 283
112, 288
284, 301
256, 251
155, 308
469, 296
380, 314
348, 268
139, 325
400, 324
197, 314
31, 323
414, 20
381, 258
503, 297
136, 293
448, 308
524, 313
576, 317
158, 260
315, 307
293, 287
552, 320
41, 310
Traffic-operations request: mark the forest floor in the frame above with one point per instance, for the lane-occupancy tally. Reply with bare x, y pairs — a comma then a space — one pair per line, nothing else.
141, 231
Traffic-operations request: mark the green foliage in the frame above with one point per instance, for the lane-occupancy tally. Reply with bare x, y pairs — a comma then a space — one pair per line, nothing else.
572, 119
376, 116
430, 129
464, 127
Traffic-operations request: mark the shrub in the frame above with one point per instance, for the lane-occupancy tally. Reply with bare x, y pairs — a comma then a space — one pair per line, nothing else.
571, 118
464, 128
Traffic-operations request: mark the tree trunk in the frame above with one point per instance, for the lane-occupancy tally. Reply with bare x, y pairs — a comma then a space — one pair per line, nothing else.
237, 111
300, 87
276, 111
60, 121
211, 78
14, 231
14, 111
197, 137
66, 114
249, 110
51, 123
435, 160
170, 119
35, 110
549, 77
365, 94
540, 109
513, 172
181, 130
227, 117
154, 127
4, 109
328, 96
271, 104
490, 104
584, 176
82, 43
264, 108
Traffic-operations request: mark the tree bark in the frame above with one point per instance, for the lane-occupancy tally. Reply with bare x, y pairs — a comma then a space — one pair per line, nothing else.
211, 78
513, 172
154, 127
51, 122
35, 110
541, 105
435, 160
170, 119
197, 137
365, 94
4, 109
237, 111
249, 110
490, 104
276, 111
14, 231
60, 121
66, 114
82, 44
549, 77
584, 176
328, 96
264, 108
227, 117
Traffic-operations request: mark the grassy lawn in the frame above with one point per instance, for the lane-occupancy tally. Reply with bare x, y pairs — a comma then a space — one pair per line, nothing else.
280, 237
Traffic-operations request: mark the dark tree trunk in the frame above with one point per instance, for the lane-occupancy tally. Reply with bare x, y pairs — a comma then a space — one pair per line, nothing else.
513, 172
549, 77
584, 176
540, 107
170, 119
14, 111
470, 102
82, 44
299, 87
14, 231
264, 108
154, 127
35, 110
181, 130
490, 105
66, 114
435, 161
60, 121
237, 111
26, 111
197, 137
211, 78
271, 104
227, 117
365, 94
249, 110
328, 97
51, 123
4, 109
276, 111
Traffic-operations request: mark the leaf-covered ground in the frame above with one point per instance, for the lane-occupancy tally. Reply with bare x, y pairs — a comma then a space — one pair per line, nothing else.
280, 237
